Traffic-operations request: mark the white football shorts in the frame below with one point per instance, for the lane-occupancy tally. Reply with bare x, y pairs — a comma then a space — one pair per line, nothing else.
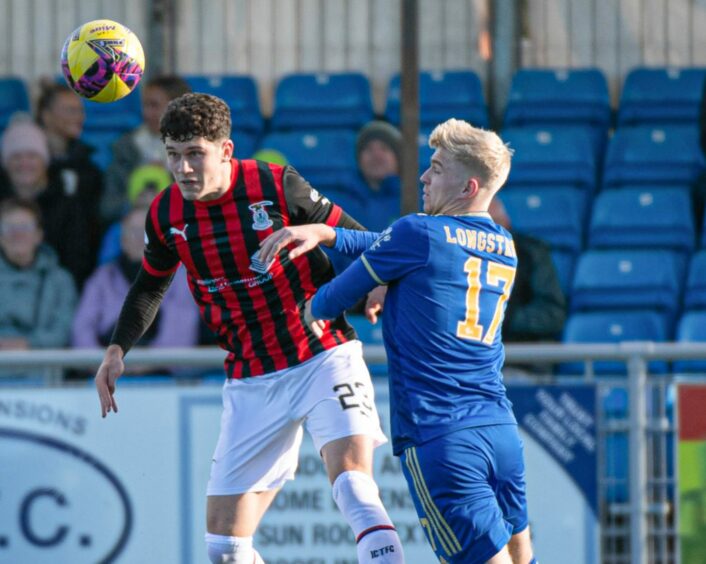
331, 395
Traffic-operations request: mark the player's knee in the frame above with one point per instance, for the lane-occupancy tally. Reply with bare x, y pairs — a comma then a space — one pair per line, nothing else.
233, 550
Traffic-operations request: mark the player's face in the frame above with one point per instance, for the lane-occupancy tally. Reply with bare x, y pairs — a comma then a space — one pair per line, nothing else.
444, 182
200, 167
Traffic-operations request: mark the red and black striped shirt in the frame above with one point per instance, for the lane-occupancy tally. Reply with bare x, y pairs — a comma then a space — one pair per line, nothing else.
256, 314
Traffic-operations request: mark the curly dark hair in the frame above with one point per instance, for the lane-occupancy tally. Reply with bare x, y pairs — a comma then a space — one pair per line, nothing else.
196, 115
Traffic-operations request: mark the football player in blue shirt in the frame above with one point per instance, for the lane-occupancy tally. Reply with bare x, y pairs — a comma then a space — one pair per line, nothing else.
449, 273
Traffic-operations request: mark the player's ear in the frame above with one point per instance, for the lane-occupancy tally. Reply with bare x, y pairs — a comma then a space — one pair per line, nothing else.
227, 150
472, 186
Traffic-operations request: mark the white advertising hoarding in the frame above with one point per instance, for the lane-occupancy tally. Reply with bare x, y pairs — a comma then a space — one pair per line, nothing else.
75, 488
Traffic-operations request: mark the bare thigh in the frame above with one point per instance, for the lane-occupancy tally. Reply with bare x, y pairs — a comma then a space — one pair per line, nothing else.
237, 515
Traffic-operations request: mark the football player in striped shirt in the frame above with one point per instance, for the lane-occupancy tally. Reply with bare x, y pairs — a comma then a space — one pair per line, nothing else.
449, 273
281, 376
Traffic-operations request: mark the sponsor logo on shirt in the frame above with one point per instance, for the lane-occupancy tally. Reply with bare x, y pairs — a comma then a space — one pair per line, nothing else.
384, 237
174, 231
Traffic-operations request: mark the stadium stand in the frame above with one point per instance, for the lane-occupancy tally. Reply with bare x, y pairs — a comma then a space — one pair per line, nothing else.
644, 155
614, 326
691, 329
695, 291
548, 157
556, 216
629, 279
565, 96
661, 95
116, 117
325, 158
323, 100
659, 218
442, 95
239, 92
14, 97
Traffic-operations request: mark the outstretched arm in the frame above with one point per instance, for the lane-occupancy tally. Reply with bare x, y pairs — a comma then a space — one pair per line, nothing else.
349, 242
137, 314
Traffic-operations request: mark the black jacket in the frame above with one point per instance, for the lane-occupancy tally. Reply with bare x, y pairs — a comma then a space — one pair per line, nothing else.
536, 310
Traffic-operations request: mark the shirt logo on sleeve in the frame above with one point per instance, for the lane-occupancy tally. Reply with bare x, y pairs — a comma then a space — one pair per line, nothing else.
174, 231
260, 219
384, 237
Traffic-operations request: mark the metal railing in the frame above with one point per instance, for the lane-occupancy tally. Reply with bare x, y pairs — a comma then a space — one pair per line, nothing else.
640, 512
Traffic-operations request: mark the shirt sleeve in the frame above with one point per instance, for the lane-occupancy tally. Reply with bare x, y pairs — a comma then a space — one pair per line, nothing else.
399, 250
140, 308
351, 243
159, 259
306, 205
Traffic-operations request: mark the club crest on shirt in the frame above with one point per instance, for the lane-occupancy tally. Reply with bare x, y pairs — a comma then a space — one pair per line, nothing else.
260, 219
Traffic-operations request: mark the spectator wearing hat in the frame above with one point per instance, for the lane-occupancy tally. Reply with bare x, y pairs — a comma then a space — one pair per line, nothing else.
38, 295
142, 145
177, 322
68, 215
60, 113
378, 149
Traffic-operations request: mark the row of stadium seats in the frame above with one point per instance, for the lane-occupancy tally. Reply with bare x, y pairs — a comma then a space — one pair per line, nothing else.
314, 100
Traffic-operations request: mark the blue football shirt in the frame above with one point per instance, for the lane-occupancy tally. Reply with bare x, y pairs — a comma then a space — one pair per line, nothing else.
449, 278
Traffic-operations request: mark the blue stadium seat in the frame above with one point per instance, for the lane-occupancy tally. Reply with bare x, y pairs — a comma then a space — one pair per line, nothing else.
117, 117
102, 141
239, 92
13, 98
442, 95
695, 292
245, 143
659, 218
546, 157
567, 96
326, 158
661, 95
691, 329
614, 326
314, 101
643, 155
629, 279
556, 216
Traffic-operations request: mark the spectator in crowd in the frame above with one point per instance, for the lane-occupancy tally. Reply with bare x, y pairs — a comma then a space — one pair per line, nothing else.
38, 296
60, 113
177, 321
378, 149
536, 310
142, 145
68, 215
145, 182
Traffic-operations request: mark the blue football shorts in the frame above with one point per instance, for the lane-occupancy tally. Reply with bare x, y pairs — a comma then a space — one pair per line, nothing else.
468, 489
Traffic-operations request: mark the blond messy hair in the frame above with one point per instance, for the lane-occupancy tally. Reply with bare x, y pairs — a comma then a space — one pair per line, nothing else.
482, 151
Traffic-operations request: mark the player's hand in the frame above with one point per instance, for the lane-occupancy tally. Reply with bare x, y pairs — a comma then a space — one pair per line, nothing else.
304, 237
375, 303
109, 371
317, 326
